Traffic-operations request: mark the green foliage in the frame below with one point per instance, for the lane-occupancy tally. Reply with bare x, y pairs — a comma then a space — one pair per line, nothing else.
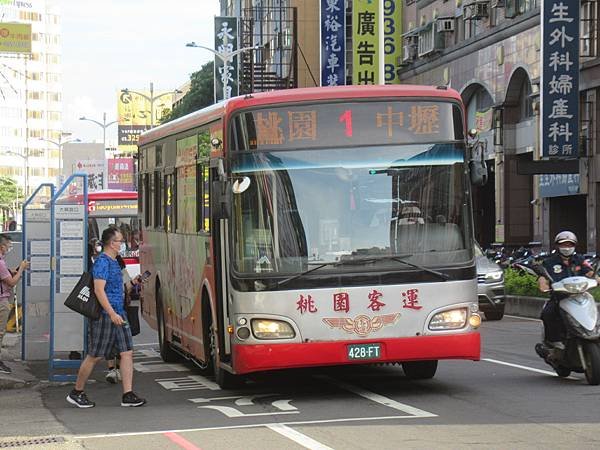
519, 283
200, 95
523, 284
9, 191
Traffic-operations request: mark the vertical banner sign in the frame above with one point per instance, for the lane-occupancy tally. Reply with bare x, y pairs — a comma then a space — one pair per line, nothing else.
560, 78
226, 72
333, 43
392, 40
365, 39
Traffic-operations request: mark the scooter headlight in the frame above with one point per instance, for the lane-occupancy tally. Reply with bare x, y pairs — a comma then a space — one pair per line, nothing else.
576, 287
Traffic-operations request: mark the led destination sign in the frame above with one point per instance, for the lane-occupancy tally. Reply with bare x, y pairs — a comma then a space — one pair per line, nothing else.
347, 124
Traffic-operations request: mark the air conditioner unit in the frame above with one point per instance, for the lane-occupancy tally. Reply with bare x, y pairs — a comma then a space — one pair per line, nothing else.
409, 52
445, 24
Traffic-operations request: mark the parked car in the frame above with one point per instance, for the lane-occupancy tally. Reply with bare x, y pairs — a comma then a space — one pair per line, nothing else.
490, 286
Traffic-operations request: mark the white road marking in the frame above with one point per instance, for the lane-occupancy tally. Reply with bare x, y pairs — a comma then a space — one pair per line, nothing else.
377, 398
236, 427
518, 366
522, 318
234, 413
156, 366
189, 383
298, 437
145, 345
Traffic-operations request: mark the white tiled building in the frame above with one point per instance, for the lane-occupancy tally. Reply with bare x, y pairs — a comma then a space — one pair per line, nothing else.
31, 96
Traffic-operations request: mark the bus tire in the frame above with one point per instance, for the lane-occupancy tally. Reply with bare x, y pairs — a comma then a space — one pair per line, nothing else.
207, 364
166, 352
420, 370
224, 379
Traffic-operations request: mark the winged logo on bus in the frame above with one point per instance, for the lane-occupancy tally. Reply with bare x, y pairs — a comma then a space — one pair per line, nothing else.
361, 325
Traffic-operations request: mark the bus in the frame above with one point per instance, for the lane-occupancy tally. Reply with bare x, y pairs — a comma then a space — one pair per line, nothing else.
120, 208
277, 227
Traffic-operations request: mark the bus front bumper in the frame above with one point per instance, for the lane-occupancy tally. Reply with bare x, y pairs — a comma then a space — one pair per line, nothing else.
268, 356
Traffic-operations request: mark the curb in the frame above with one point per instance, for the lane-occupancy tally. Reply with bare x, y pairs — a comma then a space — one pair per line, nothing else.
525, 306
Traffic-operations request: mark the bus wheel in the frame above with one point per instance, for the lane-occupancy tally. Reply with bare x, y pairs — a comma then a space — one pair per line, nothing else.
166, 352
224, 379
420, 370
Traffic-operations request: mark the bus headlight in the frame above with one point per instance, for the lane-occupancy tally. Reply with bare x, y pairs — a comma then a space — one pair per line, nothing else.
494, 277
449, 320
272, 329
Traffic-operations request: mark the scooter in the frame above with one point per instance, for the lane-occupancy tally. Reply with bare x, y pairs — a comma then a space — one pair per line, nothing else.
582, 338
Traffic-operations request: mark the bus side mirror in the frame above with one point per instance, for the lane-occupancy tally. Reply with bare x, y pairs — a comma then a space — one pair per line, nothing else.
479, 173
221, 199
477, 166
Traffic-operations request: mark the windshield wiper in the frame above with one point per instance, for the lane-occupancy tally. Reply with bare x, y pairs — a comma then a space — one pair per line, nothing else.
442, 275
301, 274
362, 260
400, 259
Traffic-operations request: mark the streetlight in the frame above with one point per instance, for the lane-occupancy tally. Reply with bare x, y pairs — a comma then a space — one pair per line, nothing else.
151, 99
226, 57
60, 143
103, 124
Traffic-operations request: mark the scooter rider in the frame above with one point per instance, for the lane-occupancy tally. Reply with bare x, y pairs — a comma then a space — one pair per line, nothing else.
564, 263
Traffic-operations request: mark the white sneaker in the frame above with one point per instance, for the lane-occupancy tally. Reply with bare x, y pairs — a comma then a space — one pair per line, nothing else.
113, 376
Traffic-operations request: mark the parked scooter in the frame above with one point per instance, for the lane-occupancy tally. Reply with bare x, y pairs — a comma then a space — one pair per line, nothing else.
582, 338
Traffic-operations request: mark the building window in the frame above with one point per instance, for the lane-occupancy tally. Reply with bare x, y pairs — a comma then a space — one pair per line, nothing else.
426, 41
588, 29
526, 108
32, 114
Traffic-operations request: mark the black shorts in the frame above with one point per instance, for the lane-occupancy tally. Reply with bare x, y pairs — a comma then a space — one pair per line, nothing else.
106, 338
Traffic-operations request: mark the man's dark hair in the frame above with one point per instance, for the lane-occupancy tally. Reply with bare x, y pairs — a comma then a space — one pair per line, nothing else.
4, 239
108, 235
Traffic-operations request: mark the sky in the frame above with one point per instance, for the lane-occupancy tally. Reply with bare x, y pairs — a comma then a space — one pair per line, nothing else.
110, 45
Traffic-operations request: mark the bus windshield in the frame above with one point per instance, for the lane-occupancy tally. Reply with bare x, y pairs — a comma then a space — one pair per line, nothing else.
309, 207
128, 226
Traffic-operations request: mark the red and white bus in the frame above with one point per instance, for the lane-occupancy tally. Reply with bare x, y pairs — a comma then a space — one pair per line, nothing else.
120, 208
273, 228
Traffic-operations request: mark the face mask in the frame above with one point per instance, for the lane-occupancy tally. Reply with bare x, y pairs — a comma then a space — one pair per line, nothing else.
123, 248
9, 249
98, 248
566, 251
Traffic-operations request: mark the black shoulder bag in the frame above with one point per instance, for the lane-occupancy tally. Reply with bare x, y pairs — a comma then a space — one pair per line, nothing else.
82, 298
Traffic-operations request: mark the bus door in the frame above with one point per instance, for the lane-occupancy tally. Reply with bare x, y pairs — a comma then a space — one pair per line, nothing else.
220, 239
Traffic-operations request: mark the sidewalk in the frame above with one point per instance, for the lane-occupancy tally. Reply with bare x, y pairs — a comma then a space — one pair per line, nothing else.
11, 355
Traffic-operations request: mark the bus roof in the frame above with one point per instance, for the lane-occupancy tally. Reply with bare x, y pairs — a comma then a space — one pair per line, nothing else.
216, 111
107, 194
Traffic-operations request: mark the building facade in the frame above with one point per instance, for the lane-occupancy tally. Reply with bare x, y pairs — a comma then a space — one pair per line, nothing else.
31, 96
489, 51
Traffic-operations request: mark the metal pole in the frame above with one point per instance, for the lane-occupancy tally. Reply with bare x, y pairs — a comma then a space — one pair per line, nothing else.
151, 105
104, 133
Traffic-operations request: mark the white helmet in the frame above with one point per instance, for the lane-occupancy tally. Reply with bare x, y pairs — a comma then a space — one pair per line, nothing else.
565, 236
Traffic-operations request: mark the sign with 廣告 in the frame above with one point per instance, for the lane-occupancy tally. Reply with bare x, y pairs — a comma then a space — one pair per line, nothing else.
560, 78
365, 40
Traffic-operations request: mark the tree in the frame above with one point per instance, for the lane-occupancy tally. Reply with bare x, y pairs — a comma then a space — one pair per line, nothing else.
200, 95
10, 191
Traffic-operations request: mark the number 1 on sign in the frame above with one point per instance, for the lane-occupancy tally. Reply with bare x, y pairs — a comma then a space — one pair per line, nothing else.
346, 117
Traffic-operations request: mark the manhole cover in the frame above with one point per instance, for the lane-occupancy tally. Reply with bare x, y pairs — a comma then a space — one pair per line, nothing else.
32, 441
